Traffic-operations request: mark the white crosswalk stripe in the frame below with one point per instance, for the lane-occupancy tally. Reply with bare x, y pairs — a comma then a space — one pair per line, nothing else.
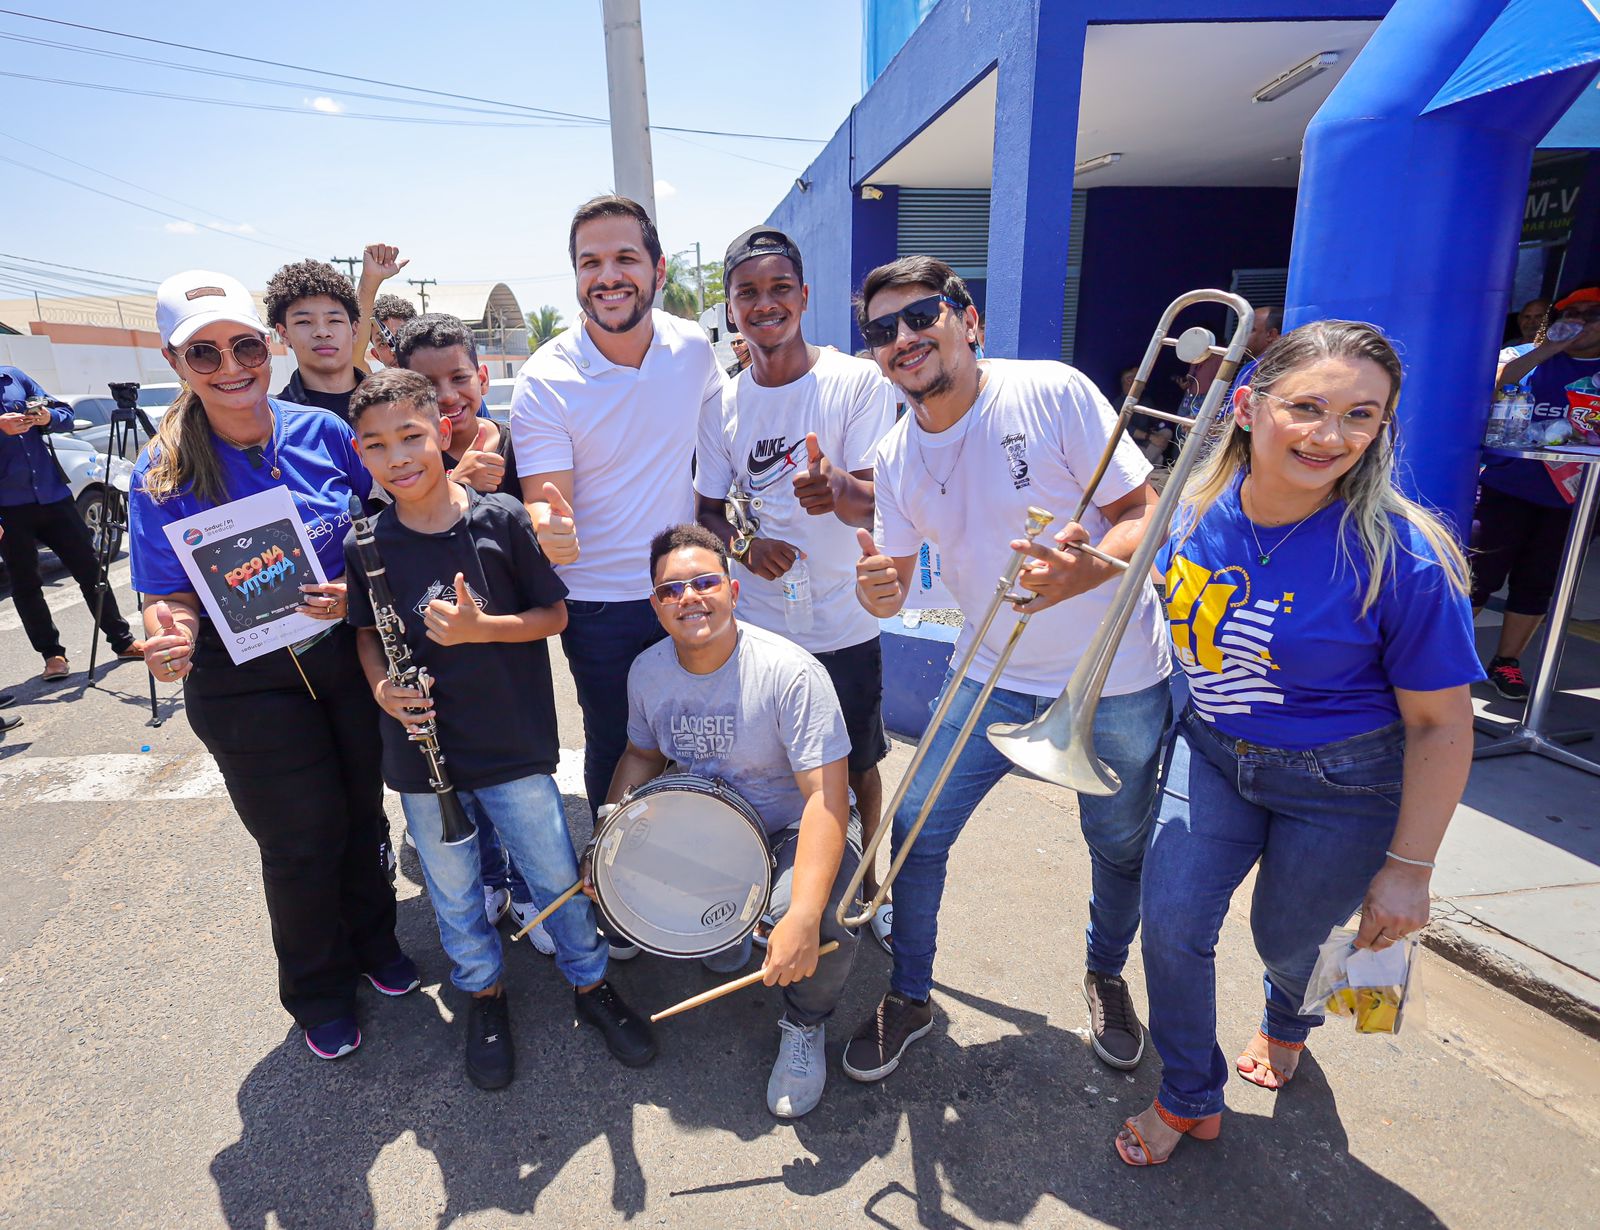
142, 777
65, 593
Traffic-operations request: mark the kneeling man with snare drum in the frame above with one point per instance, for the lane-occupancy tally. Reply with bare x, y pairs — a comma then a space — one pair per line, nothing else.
738, 704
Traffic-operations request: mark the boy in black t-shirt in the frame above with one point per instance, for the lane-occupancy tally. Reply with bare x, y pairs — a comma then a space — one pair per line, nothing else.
443, 349
478, 601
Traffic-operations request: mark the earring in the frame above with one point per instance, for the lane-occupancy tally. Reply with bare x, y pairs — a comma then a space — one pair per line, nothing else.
1244, 426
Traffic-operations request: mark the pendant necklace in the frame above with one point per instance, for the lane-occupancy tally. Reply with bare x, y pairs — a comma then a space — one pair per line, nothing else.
256, 453
1264, 557
967, 431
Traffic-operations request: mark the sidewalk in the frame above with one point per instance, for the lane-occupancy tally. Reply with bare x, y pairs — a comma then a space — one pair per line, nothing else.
1517, 890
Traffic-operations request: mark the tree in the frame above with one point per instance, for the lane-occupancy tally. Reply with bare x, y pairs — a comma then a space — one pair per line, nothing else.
680, 295
542, 326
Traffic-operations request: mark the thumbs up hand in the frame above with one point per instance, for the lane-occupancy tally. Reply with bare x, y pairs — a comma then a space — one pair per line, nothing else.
877, 579
552, 522
454, 623
167, 653
480, 467
814, 486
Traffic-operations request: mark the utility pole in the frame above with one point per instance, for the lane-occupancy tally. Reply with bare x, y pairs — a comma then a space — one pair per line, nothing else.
422, 285
349, 262
632, 166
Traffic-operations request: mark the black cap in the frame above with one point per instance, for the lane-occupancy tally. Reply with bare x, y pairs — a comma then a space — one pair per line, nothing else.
760, 241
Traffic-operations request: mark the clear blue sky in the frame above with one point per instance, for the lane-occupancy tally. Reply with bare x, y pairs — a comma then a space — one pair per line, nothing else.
465, 203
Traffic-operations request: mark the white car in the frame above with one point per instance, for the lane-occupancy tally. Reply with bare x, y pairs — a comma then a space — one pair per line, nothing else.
91, 417
86, 476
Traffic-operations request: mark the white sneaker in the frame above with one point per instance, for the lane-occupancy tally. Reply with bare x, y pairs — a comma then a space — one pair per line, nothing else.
883, 925
801, 1070
538, 937
496, 901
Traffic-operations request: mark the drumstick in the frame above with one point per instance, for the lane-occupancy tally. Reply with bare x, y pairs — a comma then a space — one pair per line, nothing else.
727, 988
549, 910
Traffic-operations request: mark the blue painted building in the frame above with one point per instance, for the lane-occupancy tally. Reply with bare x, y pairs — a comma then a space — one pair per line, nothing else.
1083, 161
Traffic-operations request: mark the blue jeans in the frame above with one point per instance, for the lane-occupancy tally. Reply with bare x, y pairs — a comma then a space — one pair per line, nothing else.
1129, 733
498, 870
601, 641
1318, 821
528, 814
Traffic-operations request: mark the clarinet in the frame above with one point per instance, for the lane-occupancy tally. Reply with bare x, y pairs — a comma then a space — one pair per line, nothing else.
405, 673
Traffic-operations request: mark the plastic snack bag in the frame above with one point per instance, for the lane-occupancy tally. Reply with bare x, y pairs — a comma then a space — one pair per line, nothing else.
1375, 988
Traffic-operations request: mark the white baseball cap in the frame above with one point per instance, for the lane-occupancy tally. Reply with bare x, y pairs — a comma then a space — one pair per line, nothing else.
188, 302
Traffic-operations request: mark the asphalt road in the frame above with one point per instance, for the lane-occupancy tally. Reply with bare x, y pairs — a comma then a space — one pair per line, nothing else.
151, 1078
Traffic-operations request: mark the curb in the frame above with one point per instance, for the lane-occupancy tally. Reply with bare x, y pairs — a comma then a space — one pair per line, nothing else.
1559, 990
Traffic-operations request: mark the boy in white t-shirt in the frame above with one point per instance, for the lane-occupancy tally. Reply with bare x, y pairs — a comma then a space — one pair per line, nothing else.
985, 440
797, 429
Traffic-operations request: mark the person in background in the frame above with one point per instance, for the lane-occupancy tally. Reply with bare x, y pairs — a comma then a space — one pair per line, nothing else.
1522, 515
36, 506
313, 308
1152, 435
392, 312
1322, 620
741, 355
294, 732
1530, 320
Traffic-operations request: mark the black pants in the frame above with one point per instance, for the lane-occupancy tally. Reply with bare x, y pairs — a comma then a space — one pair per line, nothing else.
1516, 538
60, 528
304, 776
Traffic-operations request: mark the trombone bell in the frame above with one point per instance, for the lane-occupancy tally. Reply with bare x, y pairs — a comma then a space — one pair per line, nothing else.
1045, 747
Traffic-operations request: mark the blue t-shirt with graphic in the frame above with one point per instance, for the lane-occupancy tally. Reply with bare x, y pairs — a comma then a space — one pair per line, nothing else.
316, 455
1279, 654
1562, 388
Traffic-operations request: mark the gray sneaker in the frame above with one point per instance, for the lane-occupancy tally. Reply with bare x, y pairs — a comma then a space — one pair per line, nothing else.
1114, 1027
801, 1070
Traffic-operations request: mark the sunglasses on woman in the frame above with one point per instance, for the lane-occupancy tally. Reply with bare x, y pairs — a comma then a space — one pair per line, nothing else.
705, 583
203, 358
920, 314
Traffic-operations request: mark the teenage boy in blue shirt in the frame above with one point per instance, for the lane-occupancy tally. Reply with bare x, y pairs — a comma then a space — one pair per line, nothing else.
483, 640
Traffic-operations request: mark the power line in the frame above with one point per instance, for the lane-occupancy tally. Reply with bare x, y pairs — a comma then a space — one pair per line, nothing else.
393, 85
147, 208
76, 268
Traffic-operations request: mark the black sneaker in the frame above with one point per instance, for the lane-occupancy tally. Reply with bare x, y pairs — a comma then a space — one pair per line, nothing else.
1505, 675
491, 1062
875, 1050
628, 1036
1114, 1027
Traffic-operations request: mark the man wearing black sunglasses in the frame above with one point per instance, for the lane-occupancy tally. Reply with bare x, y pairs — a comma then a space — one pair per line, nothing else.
985, 440
798, 429
736, 703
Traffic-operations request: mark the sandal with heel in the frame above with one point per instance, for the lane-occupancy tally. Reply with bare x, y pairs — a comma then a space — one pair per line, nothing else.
1207, 1128
1248, 1073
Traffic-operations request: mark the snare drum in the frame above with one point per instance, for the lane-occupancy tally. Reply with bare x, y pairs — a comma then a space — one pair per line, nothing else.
682, 867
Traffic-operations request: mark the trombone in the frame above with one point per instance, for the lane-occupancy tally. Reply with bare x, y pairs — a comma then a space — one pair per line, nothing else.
1042, 746
1059, 745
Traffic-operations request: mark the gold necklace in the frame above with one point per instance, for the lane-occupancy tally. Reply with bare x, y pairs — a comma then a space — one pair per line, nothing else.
257, 452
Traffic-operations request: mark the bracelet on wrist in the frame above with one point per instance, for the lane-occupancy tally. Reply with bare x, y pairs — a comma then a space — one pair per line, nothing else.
1409, 862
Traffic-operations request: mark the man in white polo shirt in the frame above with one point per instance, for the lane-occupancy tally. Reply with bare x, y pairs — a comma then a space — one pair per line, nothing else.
986, 439
603, 421
797, 429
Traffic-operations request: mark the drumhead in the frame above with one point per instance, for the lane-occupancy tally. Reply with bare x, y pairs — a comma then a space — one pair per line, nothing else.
682, 869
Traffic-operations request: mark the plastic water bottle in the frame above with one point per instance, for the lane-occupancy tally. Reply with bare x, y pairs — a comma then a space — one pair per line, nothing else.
1494, 434
797, 597
1519, 418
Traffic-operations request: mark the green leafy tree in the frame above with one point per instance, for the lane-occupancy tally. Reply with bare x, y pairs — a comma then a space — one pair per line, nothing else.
542, 326
680, 295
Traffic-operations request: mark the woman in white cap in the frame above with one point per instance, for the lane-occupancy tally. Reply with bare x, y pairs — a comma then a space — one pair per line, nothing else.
296, 737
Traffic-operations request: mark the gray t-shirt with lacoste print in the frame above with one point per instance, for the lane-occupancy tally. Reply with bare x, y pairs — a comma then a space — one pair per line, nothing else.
764, 715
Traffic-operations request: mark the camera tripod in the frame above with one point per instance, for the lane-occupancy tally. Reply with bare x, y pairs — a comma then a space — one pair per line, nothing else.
127, 419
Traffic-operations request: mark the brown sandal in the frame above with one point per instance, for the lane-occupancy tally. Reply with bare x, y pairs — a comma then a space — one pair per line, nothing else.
1246, 1057
54, 671
1208, 1128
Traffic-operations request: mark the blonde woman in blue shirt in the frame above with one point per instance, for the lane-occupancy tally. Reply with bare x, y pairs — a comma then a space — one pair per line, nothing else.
1323, 622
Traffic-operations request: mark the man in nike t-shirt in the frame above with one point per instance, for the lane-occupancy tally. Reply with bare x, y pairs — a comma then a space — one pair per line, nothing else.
797, 428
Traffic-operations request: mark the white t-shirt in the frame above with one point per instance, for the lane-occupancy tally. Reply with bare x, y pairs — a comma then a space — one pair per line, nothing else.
1034, 436
758, 436
627, 435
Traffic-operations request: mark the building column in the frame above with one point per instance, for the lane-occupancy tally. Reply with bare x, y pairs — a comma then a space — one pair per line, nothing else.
874, 241
1030, 213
